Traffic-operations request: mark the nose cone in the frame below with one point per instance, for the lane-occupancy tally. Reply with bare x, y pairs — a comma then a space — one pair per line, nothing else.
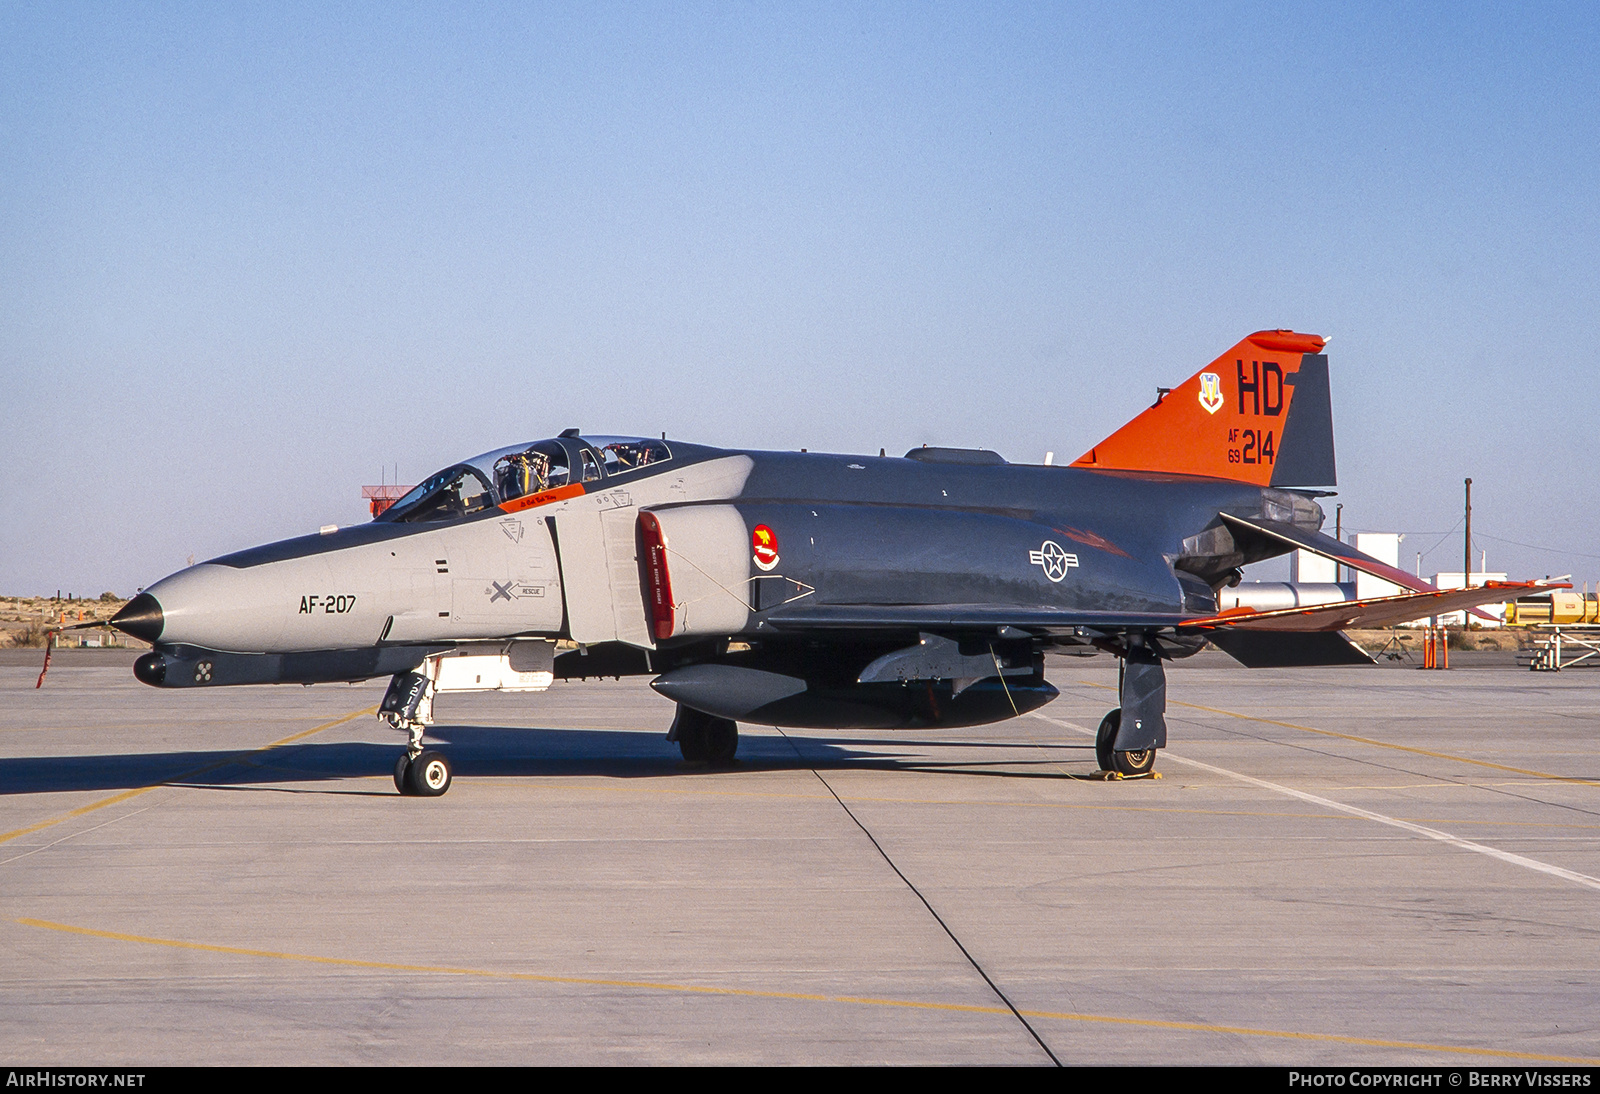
142, 618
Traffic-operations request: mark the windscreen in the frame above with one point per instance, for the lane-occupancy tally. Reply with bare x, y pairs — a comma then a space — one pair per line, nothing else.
452, 493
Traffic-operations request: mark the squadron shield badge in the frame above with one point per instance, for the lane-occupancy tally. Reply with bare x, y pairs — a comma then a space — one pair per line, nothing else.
764, 547
1210, 392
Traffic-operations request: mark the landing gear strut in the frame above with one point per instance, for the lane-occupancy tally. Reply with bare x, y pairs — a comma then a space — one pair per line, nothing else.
408, 707
704, 738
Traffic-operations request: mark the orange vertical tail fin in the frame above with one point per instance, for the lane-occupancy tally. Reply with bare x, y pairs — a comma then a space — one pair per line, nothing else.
1260, 413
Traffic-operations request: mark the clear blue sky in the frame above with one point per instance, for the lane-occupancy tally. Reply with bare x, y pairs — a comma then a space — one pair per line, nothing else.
252, 255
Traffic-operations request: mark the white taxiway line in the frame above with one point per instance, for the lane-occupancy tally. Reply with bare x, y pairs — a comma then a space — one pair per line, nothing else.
1367, 814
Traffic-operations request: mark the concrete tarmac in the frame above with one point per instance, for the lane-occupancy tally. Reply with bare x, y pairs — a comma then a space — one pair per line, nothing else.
1338, 866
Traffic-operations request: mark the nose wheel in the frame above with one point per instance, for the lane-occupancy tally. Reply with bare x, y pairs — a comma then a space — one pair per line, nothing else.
427, 776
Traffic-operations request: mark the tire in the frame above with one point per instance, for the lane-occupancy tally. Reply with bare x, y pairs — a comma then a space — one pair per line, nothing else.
692, 739
429, 775
1141, 762
722, 741
401, 766
1104, 737
693, 729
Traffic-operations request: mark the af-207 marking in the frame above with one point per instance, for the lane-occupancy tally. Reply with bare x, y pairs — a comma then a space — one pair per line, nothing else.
328, 605
1053, 559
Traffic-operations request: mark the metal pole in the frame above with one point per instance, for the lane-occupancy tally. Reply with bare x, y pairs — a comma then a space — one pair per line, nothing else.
1466, 559
1338, 534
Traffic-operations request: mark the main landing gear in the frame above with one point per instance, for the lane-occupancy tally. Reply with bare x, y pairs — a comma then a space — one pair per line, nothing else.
1129, 736
408, 706
1127, 762
704, 738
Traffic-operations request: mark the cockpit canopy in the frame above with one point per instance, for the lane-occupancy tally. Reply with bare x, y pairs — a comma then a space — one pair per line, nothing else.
507, 474
541, 466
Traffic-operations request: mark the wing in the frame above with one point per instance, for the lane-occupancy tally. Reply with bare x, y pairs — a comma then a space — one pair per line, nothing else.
947, 617
1382, 611
1379, 611
1328, 547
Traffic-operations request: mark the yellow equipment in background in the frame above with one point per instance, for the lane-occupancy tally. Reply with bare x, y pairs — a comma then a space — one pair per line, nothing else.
1561, 608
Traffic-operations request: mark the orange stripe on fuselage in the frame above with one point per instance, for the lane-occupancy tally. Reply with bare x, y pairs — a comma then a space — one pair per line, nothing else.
543, 497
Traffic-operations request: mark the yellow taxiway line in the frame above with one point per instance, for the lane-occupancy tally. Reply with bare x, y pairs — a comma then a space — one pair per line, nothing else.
859, 1000
138, 790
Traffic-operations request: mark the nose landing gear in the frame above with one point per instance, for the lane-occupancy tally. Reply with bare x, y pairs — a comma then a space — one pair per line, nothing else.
408, 707
427, 776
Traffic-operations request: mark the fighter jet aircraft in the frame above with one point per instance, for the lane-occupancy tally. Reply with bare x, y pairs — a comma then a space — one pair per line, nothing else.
808, 589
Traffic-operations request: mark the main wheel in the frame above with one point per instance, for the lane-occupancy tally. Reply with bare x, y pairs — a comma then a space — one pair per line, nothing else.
1104, 737
722, 741
401, 766
692, 737
429, 775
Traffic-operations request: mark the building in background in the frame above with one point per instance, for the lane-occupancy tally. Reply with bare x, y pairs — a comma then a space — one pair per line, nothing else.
1385, 547
1306, 568
1314, 579
1477, 577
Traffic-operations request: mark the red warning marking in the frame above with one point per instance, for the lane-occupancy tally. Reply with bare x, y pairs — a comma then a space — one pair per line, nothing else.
663, 612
